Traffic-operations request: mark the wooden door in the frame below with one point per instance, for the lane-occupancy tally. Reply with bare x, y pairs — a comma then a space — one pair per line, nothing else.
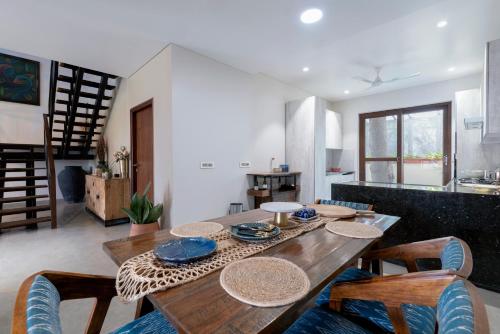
142, 143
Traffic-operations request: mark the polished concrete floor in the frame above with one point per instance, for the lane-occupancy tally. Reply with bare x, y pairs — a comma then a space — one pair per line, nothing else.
76, 246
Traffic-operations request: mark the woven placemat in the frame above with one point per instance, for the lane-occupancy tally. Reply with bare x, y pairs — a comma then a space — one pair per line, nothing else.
196, 229
145, 274
265, 281
354, 230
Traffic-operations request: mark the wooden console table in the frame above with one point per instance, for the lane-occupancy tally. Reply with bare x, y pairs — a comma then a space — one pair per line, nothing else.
106, 198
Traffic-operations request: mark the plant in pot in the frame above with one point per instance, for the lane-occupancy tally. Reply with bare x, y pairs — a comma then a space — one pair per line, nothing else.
143, 214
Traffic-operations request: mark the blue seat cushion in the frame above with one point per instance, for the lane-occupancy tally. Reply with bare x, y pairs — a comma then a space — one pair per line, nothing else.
42, 309
420, 319
454, 310
452, 256
352, 205
321, 321
151, 323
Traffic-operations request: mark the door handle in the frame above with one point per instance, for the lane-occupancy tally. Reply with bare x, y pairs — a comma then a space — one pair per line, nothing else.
445, 159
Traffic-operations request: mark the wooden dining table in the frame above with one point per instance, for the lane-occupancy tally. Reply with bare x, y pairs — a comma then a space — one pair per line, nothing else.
203, 306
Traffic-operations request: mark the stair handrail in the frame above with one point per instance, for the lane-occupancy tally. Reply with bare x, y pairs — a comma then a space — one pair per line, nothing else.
49, 160
54, 69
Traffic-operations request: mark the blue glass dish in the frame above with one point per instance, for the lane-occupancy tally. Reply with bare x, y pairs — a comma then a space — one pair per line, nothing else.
185, 250
246, 235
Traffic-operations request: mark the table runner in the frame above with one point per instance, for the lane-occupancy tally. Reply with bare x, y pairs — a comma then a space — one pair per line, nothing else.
144, 274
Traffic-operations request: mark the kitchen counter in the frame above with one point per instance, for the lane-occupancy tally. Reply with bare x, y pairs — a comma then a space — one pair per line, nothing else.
452, 187
429, 212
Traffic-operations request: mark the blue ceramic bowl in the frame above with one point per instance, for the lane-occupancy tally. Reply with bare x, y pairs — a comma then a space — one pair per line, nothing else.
185, 250
305, 213
245, 235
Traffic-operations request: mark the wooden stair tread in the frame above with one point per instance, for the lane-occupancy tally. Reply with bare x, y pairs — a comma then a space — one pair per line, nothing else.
78, 114
76, 132
24, 222
15, 211
21, 198
20, 146
22, 188
82, 105
21, 161
73, 140
86, 70
77, 123
83, 94
23, 178
15, 169
88, 83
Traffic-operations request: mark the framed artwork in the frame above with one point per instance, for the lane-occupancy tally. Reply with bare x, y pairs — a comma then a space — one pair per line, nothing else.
19, 80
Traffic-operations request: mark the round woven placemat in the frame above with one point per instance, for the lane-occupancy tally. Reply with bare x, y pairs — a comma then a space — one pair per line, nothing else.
197, 229
265, 281
354, 230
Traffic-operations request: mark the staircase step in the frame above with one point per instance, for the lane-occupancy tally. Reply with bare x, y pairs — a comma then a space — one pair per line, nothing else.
73, 140
20, 146
83, 94
94, 84
22, 188
21, 198
75, 148
82, 105
25, 222
77, 132
78, 114
20, 161
78, 123
12, 169
22, 178
15, 211
89, 71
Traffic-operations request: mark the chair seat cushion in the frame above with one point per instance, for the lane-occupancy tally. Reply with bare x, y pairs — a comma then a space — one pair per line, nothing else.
42, 309
151, 323
322, 321
348, 275
352, 205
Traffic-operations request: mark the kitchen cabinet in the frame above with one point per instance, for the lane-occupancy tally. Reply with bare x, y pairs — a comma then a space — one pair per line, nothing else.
333, 131
335, 178
491, 98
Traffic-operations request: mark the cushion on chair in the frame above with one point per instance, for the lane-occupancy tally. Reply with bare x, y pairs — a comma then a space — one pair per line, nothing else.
454, 310
321, 321
42, 309
151, 323
452, 256
352, 205
350, 274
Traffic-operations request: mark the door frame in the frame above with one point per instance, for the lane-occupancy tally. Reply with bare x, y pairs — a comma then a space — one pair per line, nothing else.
139, 107
447, 140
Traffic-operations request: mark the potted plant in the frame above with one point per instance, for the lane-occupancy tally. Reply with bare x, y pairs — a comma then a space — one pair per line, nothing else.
143, 214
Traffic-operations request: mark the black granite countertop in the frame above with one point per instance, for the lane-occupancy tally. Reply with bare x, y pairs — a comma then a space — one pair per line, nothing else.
452, 187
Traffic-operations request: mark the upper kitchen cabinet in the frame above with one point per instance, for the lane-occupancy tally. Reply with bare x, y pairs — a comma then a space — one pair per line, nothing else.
333, 123
491, 102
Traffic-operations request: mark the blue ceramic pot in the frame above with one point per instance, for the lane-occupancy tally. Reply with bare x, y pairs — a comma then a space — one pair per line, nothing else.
72, 183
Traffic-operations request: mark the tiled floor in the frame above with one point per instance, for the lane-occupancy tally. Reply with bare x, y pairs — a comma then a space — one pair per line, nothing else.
77, 247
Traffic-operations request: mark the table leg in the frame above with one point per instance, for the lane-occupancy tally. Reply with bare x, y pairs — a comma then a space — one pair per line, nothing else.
144, 306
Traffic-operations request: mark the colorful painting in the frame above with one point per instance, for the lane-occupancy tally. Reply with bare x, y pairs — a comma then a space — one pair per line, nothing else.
19, 80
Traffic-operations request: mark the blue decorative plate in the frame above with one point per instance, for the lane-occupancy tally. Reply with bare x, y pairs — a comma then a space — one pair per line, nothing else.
185, 250
254, 232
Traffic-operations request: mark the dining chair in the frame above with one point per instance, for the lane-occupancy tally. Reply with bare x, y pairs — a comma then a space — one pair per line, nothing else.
454, 254
36, 308
422, 303
352, 205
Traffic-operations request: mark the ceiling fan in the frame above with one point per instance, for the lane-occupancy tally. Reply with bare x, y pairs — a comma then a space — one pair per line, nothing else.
378, 80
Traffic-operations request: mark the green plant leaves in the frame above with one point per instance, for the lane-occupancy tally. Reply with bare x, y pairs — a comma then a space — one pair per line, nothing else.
142, 210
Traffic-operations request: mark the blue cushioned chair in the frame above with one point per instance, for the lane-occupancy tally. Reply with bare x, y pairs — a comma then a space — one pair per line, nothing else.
352, 205
37, 305
444, 300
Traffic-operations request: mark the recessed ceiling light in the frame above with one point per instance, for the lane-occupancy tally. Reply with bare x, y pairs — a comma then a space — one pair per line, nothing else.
311, 15
442, 24
451, 69
347, 92
305, 69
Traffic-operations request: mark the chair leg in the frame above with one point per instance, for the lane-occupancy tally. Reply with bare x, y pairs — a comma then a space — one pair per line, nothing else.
97, 316
144, 306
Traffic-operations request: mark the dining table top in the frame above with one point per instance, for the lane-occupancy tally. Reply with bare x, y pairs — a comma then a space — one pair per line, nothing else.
203, 306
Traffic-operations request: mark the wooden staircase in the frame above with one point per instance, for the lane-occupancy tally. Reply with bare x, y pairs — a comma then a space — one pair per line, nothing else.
27, 184
79, 102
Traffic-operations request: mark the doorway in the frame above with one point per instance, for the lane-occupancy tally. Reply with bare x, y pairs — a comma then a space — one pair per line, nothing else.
142, 143
410, 145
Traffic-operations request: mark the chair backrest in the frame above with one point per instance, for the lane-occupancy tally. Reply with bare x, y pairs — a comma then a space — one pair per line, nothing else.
456, 256
352, 205
42, 308
460, 310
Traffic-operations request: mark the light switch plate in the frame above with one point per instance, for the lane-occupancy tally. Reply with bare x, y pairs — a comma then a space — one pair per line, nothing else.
207, 165
245, 164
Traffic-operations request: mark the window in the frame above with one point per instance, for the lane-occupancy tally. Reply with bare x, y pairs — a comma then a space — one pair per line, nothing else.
410, 145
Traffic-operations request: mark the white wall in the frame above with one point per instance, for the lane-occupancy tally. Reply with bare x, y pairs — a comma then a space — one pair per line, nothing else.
421, 95
224, 115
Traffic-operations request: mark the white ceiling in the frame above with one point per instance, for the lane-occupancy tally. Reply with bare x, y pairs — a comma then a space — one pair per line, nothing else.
263, 36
